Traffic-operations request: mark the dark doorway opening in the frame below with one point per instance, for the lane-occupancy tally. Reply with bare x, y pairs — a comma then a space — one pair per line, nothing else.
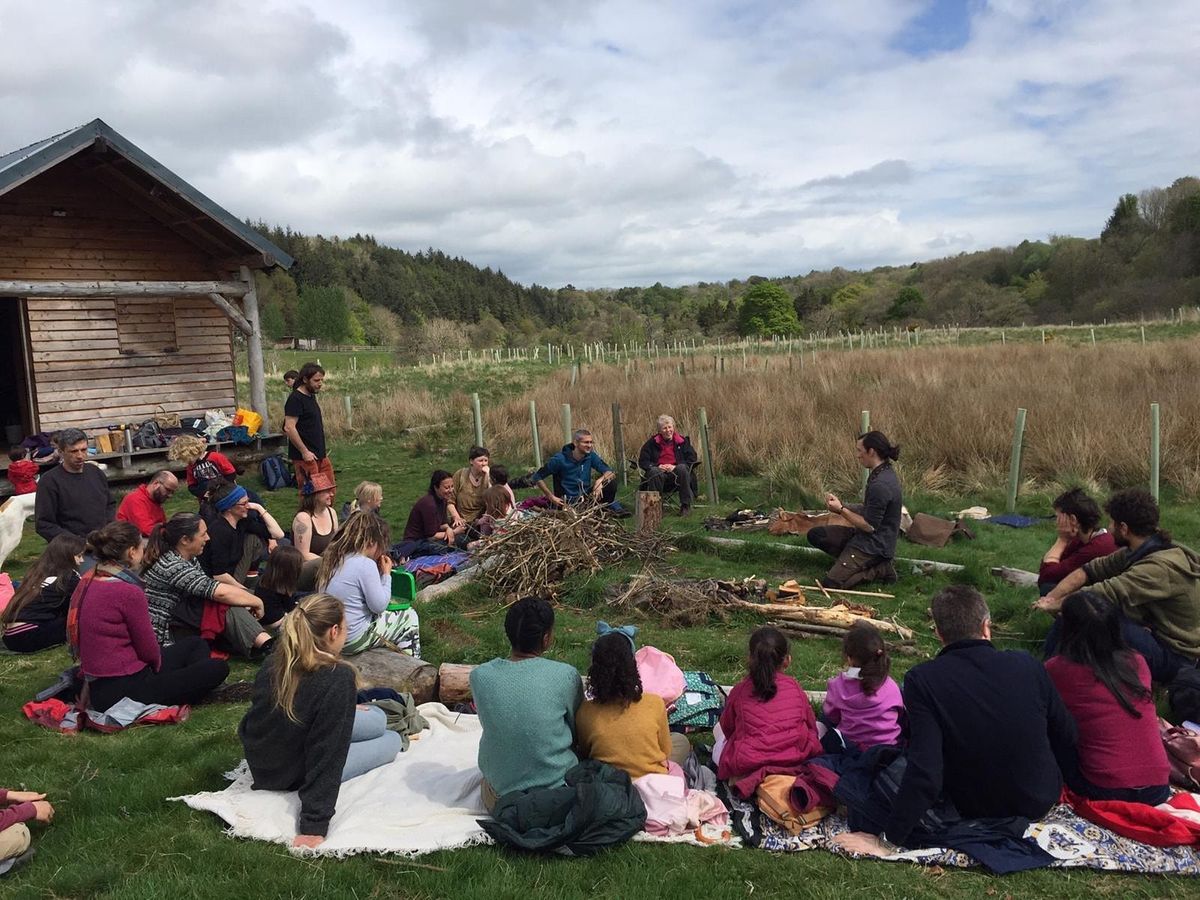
16, 413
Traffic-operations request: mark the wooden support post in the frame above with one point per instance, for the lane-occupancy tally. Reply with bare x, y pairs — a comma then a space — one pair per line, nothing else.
477, 419
537, 441
254, 350
619, 445
647, 511
710, 475
568, 431
1154, 450
1014, 466
864, 425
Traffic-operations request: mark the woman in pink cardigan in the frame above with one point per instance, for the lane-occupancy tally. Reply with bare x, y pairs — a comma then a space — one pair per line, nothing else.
108, 625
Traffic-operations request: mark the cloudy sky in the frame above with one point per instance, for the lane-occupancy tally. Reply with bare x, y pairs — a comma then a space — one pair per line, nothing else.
612, 143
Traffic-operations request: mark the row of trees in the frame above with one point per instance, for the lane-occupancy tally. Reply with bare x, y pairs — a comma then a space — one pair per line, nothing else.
1146, 260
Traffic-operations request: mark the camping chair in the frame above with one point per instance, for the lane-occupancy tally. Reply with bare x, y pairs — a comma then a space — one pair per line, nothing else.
644, 477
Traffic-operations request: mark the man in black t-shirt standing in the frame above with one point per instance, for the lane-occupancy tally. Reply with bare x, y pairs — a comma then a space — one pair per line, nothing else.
303, 426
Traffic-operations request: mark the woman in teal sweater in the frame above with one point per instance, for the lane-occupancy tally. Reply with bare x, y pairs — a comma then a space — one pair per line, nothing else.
527, 708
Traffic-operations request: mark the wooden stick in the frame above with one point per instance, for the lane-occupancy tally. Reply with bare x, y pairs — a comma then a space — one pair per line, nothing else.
828, 591
810, 629
821, 587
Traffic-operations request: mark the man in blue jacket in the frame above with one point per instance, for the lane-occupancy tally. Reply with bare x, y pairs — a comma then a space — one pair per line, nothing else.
572, 468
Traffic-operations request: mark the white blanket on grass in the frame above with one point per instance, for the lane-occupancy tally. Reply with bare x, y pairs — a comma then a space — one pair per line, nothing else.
426, 799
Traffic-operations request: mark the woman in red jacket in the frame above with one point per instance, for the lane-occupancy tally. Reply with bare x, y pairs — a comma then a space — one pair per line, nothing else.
1106, 687
109, 627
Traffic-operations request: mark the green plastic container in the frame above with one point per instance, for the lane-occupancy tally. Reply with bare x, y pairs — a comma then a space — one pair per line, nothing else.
404, 589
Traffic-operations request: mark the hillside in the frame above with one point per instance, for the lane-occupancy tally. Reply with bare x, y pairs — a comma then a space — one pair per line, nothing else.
1145, 262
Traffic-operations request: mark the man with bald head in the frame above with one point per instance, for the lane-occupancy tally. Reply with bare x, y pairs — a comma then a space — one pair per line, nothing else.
143, 506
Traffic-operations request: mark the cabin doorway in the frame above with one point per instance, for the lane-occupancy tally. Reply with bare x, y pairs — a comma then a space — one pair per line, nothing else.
16, 394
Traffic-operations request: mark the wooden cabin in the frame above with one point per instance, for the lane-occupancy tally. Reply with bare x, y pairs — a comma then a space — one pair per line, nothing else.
120, 286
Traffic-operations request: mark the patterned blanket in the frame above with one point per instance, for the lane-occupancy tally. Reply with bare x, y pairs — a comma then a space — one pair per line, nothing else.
1074, 842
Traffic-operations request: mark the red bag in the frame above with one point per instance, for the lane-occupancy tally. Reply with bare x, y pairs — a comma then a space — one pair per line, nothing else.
1183, 752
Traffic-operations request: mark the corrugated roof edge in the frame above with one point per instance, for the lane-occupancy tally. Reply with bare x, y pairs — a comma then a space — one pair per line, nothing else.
20, 165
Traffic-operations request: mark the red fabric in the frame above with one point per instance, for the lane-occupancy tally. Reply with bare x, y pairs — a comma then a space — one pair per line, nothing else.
52, 714
1143, 823
212, 625
1075, 556
23, 474
1116, 750
775, 737
139, 509
305, 470
666, 450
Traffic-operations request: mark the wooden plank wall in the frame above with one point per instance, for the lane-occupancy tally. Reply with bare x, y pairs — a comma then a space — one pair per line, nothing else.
83, 379
65, 224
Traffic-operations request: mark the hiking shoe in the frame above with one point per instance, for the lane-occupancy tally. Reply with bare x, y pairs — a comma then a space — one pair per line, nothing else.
888, 573
18, 862
685, 511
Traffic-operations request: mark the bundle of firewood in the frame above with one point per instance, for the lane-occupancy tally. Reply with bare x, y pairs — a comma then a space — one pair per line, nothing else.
684, 601
535, 554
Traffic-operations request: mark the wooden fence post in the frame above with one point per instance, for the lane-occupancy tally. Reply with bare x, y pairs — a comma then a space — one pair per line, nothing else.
619, 445
477, 417
710, 475
537, 441
1154, 450
865, 426
566, 423
349, 404
1014, 466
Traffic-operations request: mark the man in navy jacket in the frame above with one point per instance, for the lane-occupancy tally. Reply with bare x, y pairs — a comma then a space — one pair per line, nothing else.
987, 730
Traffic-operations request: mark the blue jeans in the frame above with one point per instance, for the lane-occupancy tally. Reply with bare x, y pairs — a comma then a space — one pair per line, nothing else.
371, 744
1164, 663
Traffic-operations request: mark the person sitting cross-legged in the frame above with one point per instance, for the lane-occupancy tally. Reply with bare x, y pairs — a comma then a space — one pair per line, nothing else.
143, 506
668, 459
241, 533
572, 467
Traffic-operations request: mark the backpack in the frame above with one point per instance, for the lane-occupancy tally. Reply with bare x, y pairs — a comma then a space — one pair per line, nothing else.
149, 436
773, 798
276, 474
1183, 753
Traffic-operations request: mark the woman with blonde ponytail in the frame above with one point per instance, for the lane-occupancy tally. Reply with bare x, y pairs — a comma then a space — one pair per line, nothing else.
303, 731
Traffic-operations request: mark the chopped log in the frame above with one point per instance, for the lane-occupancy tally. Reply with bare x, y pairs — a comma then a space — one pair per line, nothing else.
815, 615
454, 683
1019, 577
398, 671
647, 511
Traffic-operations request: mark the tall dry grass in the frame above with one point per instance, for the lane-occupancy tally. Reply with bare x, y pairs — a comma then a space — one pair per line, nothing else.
951, 410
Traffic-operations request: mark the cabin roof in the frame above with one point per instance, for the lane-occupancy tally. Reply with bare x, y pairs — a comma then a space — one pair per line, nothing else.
143, 180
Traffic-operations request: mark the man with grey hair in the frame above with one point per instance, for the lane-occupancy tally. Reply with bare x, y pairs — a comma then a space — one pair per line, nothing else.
988, 734
73, 497
143, 506
571, 470
668, 459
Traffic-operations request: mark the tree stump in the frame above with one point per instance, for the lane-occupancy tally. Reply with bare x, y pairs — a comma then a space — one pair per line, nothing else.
398, 671
648, 513
454, 683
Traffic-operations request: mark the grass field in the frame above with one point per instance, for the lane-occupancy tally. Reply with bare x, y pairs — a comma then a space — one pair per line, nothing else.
116, 836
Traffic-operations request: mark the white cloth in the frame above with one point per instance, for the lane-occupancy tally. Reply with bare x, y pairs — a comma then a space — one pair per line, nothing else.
426, 799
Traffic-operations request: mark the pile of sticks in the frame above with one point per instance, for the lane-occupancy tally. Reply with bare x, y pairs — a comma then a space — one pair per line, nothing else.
684, 602
534, 555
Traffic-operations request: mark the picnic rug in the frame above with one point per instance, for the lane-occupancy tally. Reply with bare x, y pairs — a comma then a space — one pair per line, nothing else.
427, 799
1073, 841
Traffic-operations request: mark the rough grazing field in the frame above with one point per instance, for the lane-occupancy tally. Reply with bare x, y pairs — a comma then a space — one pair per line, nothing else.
951, 409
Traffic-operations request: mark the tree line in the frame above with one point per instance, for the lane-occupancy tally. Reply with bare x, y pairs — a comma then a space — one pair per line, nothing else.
356, 290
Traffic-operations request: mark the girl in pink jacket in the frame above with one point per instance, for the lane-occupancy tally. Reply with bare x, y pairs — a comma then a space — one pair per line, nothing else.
768, 726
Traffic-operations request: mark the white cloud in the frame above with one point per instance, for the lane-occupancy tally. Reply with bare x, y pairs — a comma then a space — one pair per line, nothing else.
625, 142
